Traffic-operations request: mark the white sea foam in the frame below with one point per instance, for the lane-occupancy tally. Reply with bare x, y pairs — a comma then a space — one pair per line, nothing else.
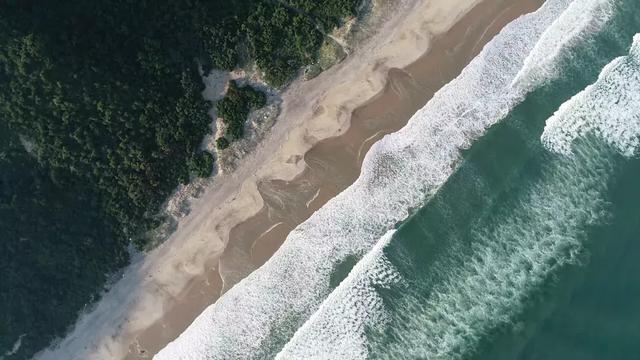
609, 108
15, 348
259, 314
337, 329
579, 21
512, 253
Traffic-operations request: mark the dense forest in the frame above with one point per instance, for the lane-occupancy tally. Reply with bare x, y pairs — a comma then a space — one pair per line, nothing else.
101, 117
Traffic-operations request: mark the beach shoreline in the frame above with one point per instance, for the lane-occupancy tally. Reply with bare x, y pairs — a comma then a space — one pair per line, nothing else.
244, 216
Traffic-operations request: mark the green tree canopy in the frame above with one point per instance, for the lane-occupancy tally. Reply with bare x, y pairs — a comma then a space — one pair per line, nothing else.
101, 117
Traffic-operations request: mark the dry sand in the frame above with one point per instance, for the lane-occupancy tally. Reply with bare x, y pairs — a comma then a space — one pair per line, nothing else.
313, 152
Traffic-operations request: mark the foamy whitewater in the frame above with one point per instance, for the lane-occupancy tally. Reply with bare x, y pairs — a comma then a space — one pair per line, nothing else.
336, 330
580, 20
610, 108
259, 317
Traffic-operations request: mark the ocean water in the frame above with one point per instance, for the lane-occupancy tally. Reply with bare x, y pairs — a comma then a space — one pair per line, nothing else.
501, 223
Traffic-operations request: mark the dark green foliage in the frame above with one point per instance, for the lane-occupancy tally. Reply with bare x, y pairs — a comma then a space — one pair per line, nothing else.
222, 143
281, 41
328, 13
235, 107
255, 98
202, 164
56, 249
106, 97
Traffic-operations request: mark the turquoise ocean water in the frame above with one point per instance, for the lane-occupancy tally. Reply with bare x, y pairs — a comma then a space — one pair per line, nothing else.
500, 224
525, 253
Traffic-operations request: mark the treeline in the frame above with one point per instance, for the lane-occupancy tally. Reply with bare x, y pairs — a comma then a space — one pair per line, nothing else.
327, 13
101, 117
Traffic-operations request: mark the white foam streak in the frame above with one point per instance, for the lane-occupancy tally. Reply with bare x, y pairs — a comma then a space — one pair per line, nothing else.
609, 108
337, 329
579, 21
15, 348
254, 318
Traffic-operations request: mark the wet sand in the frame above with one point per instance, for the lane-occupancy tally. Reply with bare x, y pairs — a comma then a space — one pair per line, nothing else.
330, 166
197, 294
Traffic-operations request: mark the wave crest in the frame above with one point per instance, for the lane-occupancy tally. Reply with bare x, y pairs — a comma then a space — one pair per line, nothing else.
609, 108
581, 20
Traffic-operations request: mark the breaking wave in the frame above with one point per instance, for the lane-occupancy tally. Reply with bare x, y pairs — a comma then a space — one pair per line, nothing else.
337, 329
610, 108
577, 23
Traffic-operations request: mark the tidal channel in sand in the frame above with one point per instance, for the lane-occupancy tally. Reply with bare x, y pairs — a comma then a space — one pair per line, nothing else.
331, 166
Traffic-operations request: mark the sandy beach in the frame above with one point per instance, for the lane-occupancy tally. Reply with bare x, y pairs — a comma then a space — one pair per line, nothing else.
313, 152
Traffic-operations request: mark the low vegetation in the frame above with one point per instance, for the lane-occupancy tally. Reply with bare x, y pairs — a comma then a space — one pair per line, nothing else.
101, 117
